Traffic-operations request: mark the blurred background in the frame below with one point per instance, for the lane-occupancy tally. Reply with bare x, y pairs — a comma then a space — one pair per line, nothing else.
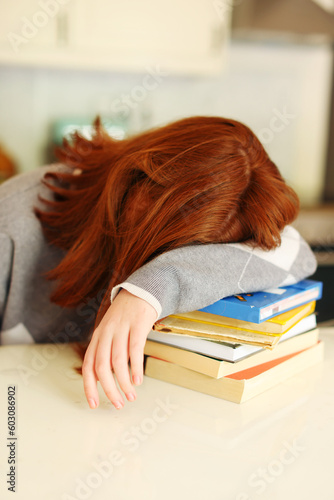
143, 63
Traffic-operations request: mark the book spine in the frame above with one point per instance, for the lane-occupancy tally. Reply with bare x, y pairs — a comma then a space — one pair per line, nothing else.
230, 310
253, 314
289, 303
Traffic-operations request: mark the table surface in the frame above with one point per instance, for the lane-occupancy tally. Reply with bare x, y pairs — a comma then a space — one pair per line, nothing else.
170, 443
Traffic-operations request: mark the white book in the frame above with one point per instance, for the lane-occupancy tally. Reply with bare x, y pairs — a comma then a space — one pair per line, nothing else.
225, 350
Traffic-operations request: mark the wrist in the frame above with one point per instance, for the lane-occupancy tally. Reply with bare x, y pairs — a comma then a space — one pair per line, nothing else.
139, 293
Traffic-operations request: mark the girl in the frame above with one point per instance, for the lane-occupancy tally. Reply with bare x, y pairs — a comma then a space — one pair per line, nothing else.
129, 231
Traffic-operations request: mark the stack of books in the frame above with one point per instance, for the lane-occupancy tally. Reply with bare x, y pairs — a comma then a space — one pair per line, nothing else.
239, 346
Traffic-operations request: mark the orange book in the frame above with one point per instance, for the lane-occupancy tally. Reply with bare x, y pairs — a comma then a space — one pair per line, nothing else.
254, 371
240, 386
217, 368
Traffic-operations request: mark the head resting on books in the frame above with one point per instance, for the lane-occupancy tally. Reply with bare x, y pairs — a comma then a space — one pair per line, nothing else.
196, 180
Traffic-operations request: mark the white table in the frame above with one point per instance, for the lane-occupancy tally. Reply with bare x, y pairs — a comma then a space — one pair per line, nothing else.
170, 443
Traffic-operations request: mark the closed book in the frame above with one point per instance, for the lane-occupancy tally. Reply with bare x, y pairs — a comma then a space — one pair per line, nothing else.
241, 386
178, 324
218, 368
260, 306
207, 331
228, 351
278, 324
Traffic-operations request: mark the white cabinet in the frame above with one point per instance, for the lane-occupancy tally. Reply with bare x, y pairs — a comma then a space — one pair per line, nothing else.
26, 26
181, 36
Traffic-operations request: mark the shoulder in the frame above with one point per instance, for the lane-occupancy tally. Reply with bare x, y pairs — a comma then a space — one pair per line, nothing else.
19, 195
22, 190
23, 183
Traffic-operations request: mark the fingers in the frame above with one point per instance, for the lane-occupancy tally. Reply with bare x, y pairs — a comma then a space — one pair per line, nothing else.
120, 335
119, 357
97, 366
90, 377
103, 359
136, 350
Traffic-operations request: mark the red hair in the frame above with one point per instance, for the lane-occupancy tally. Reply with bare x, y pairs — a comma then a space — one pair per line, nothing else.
197, 180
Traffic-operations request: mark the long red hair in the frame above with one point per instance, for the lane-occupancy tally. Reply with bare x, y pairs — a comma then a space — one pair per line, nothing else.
197, 180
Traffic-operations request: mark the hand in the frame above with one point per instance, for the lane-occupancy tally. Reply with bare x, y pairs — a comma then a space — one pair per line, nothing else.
120, 336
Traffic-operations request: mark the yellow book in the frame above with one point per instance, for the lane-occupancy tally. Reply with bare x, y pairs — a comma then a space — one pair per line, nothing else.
177, 324
218, 368
277, 325
241, 386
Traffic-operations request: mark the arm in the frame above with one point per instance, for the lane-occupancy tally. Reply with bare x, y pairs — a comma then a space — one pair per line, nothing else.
180, 280
192, 277
6, 256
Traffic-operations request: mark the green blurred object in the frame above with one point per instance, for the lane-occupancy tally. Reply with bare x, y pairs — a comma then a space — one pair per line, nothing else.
117, 129
64, 127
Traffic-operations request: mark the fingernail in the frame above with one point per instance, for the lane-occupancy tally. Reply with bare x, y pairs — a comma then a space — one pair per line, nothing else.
131, 397
92, 403
118, 405
137, 380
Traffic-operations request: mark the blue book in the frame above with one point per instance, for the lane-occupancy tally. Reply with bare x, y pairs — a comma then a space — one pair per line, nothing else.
259, 306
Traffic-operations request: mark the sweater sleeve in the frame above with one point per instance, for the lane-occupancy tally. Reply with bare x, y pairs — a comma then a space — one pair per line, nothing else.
6, 257
194, 276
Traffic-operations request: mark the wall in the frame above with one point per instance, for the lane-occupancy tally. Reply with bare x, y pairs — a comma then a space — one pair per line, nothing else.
281, 90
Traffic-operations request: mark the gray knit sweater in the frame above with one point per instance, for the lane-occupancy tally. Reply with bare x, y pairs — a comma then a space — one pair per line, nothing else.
180, 280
